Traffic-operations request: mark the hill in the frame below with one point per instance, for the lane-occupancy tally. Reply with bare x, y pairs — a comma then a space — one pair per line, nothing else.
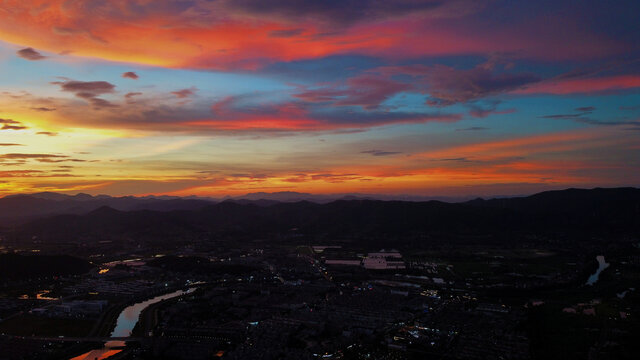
578, 212
17, 209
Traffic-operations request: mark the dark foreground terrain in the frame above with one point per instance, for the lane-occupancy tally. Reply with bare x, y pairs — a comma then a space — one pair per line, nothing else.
549, 276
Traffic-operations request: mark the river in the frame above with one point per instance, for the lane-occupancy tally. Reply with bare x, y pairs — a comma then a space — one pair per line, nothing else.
124, 325
601, 266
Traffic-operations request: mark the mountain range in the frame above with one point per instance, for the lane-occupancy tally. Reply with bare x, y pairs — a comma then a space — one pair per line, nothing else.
15, 209
576, 211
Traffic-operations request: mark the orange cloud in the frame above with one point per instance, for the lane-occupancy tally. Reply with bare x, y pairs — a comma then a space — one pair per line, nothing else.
523, 146
403, 178
259, 123
163, 39
222, 34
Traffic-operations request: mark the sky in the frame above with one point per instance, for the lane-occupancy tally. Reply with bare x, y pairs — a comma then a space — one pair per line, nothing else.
221, 97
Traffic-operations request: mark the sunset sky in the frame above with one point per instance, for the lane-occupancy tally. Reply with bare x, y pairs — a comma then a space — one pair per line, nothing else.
221, 97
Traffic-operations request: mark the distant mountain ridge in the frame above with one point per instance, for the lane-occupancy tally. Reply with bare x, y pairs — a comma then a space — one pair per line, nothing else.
15, 209
20, 208
292, 196
25, 207
584, 212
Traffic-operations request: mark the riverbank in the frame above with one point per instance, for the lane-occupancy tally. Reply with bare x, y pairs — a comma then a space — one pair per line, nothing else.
149, 316
127, 319
108, 322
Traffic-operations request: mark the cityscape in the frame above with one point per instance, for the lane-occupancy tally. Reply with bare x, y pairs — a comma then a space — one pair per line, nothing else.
319, 179
547, 276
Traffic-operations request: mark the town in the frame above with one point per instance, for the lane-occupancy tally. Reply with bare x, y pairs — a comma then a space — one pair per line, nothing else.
300, 298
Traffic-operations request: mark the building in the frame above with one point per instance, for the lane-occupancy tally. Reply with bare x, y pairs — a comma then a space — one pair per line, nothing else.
383, 260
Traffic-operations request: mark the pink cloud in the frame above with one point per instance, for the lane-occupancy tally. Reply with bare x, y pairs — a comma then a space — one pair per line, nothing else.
583, 85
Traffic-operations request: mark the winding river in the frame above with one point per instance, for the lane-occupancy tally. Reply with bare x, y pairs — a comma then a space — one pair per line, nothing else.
601, 266
124, 325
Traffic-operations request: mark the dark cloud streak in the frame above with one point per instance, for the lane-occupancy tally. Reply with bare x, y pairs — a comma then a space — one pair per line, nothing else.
30, 54
9, 124
89, 91
130, 75
185, 93
380, 152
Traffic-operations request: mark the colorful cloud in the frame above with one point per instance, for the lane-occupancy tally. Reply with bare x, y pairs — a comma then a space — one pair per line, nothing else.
358, 96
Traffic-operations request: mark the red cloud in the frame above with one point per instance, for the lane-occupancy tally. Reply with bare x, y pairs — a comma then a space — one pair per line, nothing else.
585, 85
232, 114
367, 91
247, 34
